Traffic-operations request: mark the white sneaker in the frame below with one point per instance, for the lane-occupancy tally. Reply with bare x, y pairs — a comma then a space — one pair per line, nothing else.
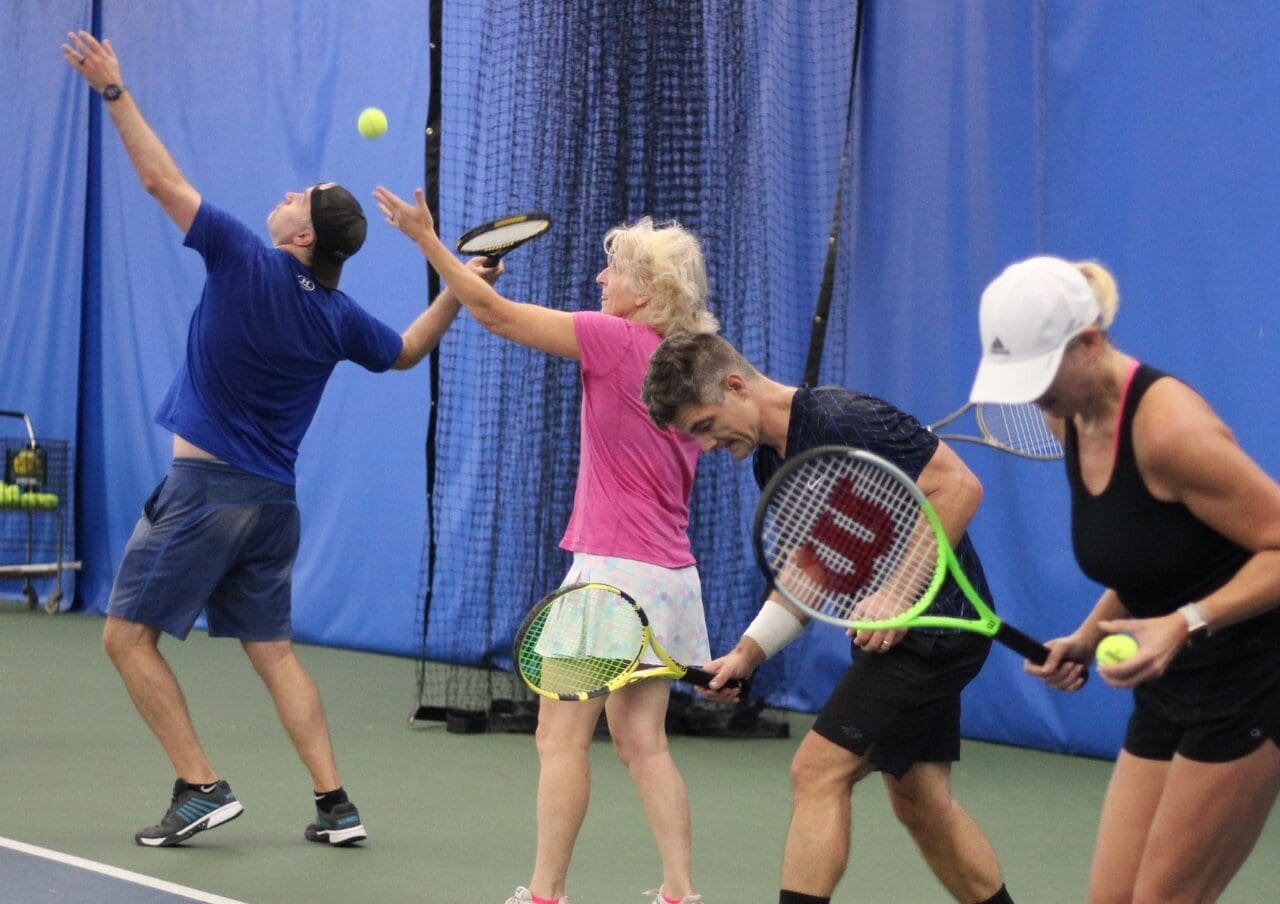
524, 896
658, 899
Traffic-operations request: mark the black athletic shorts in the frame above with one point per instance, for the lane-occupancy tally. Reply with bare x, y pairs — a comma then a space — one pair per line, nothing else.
904, 705
1209, 732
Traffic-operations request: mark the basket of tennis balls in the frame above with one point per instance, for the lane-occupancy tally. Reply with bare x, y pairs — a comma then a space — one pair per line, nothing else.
13, 496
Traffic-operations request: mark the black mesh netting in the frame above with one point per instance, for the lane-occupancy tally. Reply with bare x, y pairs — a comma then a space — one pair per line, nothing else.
728, 116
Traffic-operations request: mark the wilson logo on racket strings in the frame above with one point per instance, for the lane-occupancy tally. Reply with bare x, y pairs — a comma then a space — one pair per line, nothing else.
860, 552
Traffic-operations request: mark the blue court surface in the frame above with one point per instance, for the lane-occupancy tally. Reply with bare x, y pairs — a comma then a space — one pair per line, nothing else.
35, 875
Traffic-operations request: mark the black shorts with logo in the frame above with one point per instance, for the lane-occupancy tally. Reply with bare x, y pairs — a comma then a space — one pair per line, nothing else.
1218, 731
904, 705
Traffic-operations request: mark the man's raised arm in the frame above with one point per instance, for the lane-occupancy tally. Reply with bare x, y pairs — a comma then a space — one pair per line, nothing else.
97, 64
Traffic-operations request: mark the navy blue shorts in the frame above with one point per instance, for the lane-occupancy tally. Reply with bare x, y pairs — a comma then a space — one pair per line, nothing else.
213, 538
904, 706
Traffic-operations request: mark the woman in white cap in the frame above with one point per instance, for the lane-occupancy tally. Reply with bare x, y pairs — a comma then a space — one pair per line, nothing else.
1183, 529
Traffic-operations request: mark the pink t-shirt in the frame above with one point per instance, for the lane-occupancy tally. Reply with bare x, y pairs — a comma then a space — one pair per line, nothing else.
634, 480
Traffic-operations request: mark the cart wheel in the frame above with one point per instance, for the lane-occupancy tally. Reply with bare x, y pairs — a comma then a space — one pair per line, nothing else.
33, 598
53, 605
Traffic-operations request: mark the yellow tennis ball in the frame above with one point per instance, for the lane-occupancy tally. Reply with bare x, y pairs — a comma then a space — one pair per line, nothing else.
372, 122
1116, 648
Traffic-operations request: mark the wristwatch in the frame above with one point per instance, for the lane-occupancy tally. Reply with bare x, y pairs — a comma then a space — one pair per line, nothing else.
111, 92
1196, 622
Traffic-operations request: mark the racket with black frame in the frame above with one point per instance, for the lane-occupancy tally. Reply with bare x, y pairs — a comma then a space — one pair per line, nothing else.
589, 639
498, 237
1016, 429
852, 541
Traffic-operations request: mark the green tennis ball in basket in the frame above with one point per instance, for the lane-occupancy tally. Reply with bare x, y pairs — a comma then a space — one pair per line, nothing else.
26, 463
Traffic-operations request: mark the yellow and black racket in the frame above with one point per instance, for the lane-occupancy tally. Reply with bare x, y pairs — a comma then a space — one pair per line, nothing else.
494, 239
586, 640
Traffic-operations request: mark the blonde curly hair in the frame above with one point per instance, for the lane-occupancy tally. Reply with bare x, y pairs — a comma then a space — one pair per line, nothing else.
663, 263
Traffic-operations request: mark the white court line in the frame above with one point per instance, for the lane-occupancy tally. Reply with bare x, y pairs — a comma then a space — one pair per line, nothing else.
116, 873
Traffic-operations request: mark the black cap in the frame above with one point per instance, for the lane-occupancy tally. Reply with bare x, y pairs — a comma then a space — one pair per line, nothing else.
340, 229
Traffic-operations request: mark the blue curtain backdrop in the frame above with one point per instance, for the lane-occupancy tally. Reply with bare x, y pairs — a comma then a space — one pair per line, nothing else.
984, 132
44, 144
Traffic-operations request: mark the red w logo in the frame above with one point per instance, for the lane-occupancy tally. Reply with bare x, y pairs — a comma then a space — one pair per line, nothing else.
861, 552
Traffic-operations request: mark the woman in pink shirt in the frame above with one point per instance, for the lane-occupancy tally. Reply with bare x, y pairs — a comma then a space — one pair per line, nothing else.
630, 519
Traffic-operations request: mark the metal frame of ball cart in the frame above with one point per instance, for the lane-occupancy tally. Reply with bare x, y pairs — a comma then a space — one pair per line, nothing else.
27, 569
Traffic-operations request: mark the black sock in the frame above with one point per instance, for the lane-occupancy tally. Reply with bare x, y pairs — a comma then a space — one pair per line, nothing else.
795, 897
1000, 897
327, 800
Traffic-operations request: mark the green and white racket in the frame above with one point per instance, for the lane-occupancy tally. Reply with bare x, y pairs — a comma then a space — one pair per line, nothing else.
586, 640
851, 540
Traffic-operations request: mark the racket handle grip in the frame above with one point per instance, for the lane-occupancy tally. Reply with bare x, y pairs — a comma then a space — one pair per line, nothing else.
1027, 646
703, 678
491, 260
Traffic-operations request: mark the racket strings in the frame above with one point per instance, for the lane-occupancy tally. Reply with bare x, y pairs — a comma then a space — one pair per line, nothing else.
1019, 427
580, 641
501, 237
848, 541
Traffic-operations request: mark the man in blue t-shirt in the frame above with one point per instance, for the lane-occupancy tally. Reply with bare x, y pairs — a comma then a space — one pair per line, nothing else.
896, 709
220, 532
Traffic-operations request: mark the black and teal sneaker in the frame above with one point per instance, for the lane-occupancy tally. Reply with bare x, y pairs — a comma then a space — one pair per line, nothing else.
192, 809
340, 826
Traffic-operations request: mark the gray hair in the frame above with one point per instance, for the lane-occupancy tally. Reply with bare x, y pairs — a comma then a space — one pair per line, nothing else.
688, 370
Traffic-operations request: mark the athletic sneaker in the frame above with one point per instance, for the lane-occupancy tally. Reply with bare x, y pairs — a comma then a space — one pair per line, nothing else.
658, 899
192, 809
524, 896
340, 827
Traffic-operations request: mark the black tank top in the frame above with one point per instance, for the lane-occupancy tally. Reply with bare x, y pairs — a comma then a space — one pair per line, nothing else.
1157, 556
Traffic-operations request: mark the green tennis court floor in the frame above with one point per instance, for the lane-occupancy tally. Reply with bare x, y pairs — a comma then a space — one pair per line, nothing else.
450, 816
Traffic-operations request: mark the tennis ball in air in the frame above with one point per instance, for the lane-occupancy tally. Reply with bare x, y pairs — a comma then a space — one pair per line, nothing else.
372, 122
1116, 648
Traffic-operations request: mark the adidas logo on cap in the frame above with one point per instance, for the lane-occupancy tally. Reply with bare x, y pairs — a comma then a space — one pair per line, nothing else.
997, 347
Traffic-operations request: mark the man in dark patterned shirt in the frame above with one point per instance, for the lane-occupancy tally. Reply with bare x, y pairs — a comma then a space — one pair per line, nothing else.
897, 707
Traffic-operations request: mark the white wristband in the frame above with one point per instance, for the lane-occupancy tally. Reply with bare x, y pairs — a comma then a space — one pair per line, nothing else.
1196, 622
774, 627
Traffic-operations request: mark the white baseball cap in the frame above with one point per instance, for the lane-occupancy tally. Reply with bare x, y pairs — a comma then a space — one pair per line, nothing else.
1028, 315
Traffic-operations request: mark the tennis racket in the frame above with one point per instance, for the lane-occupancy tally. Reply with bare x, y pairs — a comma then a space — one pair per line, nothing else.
586, 640
496, 238
850, 539
1017, 429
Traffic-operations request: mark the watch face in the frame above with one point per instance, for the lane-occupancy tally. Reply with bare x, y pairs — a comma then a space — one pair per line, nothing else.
111, 92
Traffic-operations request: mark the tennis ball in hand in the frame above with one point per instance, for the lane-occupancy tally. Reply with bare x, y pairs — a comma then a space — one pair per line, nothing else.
372, 122
1116, 648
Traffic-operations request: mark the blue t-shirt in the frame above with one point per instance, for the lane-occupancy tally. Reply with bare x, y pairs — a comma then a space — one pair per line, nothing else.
262, 343
831, 416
